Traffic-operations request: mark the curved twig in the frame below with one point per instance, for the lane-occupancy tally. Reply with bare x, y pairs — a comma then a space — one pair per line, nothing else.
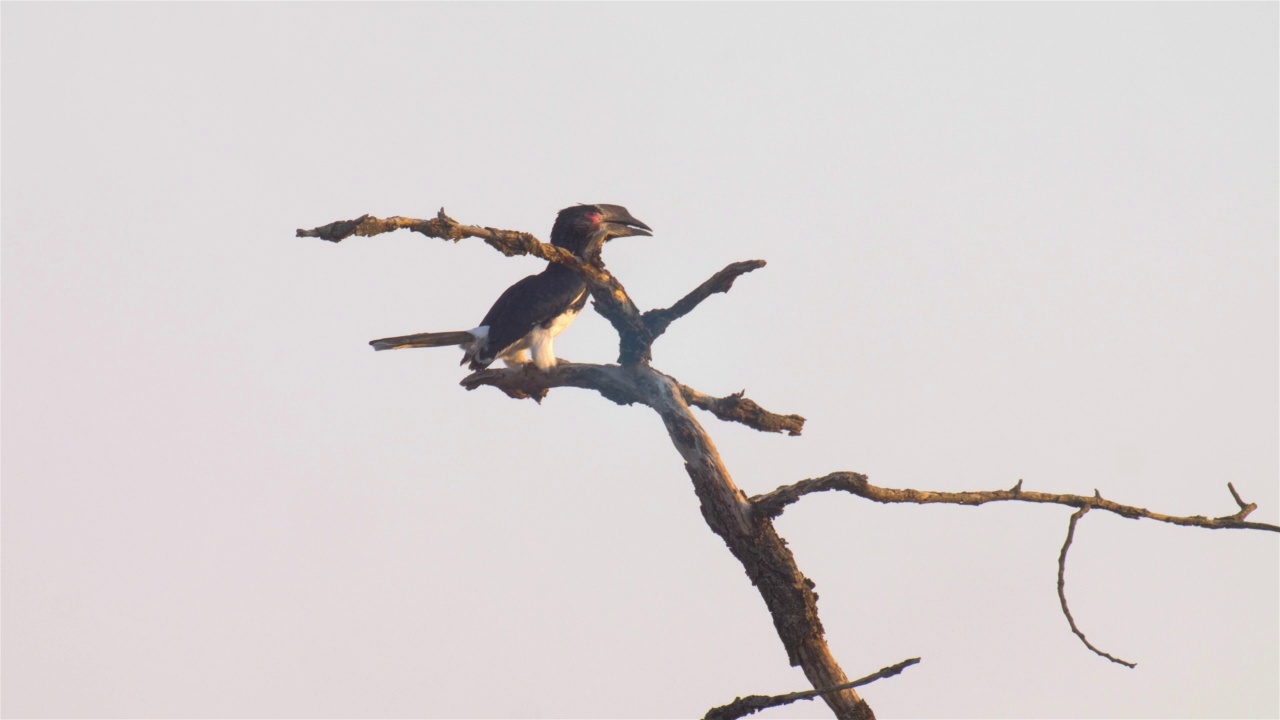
1062, 590
772, 504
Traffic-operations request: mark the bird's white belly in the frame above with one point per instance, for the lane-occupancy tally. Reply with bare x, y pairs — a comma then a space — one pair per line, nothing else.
558, 325
540, 345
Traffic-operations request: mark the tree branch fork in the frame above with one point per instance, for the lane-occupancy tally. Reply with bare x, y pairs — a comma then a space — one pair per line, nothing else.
637, 331
744, 523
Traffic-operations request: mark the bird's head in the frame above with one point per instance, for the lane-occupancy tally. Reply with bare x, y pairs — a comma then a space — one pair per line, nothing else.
584, 229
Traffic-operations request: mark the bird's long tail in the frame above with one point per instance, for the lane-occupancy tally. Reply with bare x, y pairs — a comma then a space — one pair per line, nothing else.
439, 339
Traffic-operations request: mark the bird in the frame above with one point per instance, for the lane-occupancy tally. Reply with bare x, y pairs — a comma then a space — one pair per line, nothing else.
526, 317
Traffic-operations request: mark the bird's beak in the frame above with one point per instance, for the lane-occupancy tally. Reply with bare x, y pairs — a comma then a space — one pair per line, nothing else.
621, 223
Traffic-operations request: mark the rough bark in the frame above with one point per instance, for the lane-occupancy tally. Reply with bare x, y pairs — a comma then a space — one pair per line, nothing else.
751, 537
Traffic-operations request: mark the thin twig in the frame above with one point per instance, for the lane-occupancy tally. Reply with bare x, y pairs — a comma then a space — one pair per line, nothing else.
1062, 590
1245, 508
659, 319
771, 504
741, 707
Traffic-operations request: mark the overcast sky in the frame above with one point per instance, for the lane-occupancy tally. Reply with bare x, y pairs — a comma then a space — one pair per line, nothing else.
1005, 241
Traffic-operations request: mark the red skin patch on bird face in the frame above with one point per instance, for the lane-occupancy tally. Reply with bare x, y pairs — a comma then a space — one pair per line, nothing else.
593, 218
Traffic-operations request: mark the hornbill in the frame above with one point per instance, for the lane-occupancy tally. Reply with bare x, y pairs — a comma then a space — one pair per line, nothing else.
528, 315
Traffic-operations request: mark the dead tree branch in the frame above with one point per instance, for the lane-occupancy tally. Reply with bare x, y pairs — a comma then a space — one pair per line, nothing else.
738, 408
744, 706
610, 298
611, 381
615, 383
768, 562
658, 320
745, 524
772, 504
1062, 590
508, 242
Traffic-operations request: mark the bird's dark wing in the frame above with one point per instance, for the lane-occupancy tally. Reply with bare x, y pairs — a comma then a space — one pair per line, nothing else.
529, 303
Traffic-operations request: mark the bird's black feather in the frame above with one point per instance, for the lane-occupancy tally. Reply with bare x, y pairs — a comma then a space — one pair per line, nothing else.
534, 301
527, 317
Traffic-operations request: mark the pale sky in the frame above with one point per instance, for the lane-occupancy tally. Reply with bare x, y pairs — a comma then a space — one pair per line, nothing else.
1005, 241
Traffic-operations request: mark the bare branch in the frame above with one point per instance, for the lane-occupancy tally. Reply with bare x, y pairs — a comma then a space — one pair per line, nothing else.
1062, 590
618, 384
636, 332
745, 525
768, 562
736, 408
765, 557
741, 707
1245, 508
658, 320
508, 242
612, 381
339, 230
772, 504
611, 299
